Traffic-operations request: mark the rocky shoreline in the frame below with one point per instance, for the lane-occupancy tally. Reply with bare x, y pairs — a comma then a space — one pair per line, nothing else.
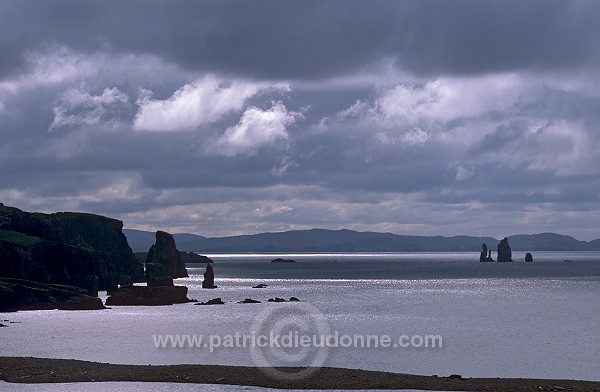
46, 370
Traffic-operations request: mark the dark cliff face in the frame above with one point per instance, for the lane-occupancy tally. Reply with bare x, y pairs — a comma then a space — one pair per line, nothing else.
165, 252
69, 248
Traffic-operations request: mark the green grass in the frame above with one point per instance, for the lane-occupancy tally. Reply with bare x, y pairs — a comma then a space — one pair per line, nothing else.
17, 238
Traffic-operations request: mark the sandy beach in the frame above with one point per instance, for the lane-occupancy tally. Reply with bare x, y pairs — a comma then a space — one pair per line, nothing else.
45, 370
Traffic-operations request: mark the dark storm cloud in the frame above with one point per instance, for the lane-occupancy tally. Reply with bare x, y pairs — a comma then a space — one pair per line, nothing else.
223, 117
315, 39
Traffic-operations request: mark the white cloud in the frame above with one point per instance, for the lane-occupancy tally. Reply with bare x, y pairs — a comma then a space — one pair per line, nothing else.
415, 136
195, 104
53, 65
446, 99
258, 128
77, 107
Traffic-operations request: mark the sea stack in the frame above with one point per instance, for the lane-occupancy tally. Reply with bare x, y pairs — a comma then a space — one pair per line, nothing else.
165, 252
504, 252
209, 278
529, 257
486, 255
483, 254
163, 263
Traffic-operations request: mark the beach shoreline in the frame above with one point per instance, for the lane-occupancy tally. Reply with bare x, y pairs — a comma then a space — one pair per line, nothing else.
49, 370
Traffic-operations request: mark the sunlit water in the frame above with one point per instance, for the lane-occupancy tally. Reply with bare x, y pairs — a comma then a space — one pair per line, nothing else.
537, 320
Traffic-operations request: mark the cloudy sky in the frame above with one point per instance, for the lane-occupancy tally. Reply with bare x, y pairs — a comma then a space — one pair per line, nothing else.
238, 117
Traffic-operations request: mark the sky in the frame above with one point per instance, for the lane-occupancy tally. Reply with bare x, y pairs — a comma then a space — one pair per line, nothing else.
239, 117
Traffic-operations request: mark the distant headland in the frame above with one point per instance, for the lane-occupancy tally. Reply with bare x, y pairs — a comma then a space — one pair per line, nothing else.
321, 240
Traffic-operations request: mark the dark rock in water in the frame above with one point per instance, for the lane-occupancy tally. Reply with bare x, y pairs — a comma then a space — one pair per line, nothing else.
165, 252
3, 325
156, 275
19, 294
483, 254
529, 257
259, 286
148, 296
214, 301
65, 248
193, 258
187, 257
294, 299
280, 260
276, 299
249, 301
209, 278
504, 252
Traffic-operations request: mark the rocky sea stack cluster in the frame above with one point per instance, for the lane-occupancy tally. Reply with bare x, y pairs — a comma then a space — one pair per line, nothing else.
163, 264
504, 253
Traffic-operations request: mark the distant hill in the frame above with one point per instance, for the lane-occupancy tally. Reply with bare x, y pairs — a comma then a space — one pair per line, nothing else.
141, 241
551, 241
321, 240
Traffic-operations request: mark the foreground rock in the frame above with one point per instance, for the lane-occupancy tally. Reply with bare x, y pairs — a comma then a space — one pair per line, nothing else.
66, 248
277, 299
504, 252
249, 301
163, 263
19, 294
214, 301
149, 296
165, 252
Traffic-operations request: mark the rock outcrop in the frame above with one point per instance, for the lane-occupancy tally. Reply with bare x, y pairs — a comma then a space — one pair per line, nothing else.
485, 255
148, 296
19, 294
193, 258
209, 278
504, 252
249, 301
214, 301
156, 275
66, 248
529, 257
280, 260
163, 263
165, 252
187, 257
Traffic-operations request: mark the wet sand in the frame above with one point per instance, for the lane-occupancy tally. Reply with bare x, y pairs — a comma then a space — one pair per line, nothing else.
44, 370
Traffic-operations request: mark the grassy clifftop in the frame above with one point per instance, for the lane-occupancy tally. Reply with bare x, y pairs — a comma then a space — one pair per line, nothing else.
17, 238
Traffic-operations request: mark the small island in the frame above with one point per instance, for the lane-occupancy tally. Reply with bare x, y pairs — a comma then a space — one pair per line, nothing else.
280, 260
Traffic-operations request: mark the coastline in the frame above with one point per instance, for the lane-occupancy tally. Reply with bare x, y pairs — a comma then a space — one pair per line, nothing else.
48, 370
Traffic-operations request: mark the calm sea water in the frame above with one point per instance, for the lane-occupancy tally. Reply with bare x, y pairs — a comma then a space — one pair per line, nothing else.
496, 319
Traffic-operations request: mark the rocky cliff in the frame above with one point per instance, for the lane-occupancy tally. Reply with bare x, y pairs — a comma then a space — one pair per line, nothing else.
19, 294
165, 253
67, 248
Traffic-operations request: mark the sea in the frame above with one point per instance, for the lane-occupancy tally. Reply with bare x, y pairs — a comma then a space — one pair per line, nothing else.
419, 313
